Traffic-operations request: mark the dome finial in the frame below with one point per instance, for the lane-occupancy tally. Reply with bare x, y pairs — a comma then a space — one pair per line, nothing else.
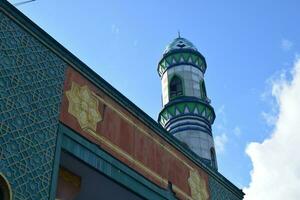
179, 34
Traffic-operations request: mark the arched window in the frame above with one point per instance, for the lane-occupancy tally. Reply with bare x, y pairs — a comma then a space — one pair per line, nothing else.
176, 87
5, 191
213, 158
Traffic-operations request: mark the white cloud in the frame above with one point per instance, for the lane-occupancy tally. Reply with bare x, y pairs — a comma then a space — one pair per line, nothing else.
286, 44
220, 141
269, 118
271, 96
221, 114
221, 138
237, 131
276, 162
223, 131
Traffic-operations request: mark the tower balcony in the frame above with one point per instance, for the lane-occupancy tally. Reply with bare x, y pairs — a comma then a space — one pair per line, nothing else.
187, 106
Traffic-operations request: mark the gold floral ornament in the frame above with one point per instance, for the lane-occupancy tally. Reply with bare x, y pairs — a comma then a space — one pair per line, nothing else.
83, 105
198, 186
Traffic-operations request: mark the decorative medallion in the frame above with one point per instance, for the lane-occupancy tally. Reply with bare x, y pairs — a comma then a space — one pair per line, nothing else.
83, 105
198, 186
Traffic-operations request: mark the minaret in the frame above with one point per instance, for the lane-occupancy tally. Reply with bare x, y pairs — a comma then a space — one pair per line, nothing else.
187, 113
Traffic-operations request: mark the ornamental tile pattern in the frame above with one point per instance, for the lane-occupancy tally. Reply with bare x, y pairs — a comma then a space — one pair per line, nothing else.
31, 80
219, 192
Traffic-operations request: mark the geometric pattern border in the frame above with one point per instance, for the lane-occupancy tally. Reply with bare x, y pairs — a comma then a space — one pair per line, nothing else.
181, 58
182, 108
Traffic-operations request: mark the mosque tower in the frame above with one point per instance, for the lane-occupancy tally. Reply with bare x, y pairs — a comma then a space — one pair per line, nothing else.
187, 113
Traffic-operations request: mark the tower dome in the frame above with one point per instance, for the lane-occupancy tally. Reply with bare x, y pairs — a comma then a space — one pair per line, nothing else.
187, 113
180, 44
181, 51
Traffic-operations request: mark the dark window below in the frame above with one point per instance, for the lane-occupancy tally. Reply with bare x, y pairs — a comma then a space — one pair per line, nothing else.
213, 158
176, 88
78, 181
5, 193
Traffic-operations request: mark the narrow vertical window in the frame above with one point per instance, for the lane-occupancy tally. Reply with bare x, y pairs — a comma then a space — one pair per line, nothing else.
176, 87
213, 158
203, 90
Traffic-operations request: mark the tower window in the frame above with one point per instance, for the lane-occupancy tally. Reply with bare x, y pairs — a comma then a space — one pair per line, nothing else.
203, 90
213, 158
176, 88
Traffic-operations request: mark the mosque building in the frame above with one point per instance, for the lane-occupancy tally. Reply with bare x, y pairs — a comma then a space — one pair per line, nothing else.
67, 134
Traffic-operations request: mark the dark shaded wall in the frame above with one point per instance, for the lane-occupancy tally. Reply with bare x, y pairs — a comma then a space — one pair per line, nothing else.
95, 185
31, 81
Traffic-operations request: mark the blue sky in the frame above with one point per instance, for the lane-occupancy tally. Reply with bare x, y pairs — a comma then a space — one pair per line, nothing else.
245, 44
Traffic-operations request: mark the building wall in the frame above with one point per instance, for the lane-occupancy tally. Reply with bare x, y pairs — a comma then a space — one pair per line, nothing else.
31, 81
126, 137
